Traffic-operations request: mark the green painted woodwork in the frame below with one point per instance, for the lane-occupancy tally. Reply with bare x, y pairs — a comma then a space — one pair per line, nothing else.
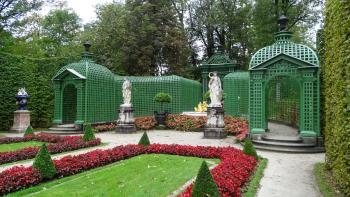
185, 93
236, 88
96, 99
295, 68
220, 63
86, 92
69, 104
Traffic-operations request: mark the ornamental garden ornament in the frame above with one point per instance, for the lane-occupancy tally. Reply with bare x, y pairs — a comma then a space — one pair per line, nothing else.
22, 98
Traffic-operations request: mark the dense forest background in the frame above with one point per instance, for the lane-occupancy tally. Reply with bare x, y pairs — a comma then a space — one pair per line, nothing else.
135, 37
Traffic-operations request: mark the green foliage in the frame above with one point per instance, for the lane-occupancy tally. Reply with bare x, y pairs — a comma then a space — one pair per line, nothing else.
204, 184
43, 163
206, 96
249, 148
12, 10
162, 97
88, 133
35, 75
29, 131
144, 140
336, 90
154, 39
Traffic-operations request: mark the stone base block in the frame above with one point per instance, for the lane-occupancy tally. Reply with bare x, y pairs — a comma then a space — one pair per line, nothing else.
214, 133
126, 128
21, 121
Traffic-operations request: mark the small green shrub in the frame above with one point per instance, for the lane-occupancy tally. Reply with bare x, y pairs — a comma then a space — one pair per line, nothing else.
29, 131
144, 140
249, 148
162, 98
88, 133
204, 184
43, 163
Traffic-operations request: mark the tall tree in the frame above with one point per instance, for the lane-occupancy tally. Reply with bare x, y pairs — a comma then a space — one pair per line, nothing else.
11, 11
60, 29
108, 34
155, 42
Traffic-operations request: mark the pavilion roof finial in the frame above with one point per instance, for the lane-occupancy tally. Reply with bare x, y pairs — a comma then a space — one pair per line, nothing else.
282, 23
86, 54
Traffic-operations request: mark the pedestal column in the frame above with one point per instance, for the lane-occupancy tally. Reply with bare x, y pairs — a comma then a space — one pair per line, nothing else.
126, 121
215, 126
21, 121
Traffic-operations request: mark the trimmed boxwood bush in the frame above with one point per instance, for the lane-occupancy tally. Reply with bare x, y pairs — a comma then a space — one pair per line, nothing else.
43, 163
249, 148
88, 133
204, 184
29, 131
144, 140
336, 91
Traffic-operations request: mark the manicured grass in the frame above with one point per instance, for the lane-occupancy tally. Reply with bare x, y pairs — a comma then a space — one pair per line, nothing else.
323, 180
255, 179
19, 145
144, 175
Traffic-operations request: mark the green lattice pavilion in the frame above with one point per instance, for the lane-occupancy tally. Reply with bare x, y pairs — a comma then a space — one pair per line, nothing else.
285, 86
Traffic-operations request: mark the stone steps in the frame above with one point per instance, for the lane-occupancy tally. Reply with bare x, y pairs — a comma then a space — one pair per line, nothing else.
65, 129
286, 149
288, 139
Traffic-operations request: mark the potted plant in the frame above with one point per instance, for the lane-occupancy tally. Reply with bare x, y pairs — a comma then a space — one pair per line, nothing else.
161, 98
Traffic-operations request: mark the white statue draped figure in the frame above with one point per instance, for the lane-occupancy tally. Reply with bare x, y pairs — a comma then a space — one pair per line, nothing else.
127, 92
215, 90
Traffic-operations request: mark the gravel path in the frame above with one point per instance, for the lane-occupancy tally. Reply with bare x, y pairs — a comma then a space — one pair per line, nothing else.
288, 175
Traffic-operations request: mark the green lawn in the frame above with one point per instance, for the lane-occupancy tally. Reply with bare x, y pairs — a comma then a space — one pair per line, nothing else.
19, 145
145, 175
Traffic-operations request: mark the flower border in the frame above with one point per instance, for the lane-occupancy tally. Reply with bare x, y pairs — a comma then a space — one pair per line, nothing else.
230, 174
57, 144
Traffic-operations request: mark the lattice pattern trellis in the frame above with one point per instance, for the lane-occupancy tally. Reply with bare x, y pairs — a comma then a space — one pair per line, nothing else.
236, 89
293, 70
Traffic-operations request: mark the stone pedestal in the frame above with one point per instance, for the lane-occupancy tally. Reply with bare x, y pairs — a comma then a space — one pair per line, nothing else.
21, 121
215, 126
126, 121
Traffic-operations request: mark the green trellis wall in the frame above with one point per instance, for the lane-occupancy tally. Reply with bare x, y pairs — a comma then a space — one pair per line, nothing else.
97, 93
185, 93
236, 89
285, 59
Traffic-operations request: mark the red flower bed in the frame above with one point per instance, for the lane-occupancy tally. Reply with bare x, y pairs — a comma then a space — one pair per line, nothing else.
185, 123
236, 126
105, 127
230, 175
57, 144
145, 123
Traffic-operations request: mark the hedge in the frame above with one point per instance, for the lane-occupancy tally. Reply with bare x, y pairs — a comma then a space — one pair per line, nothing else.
33, 74
336, 90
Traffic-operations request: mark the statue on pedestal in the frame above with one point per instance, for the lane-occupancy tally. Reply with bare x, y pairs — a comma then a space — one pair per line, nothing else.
126, 121
215, 125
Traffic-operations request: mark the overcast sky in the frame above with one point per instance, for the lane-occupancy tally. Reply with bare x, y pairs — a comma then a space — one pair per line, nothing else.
84, 8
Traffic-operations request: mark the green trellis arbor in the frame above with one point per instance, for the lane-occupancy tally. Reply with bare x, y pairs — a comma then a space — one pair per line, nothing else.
85, 92
285, 75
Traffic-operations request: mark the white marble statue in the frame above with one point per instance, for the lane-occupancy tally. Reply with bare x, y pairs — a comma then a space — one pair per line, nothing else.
127, 92
215, 90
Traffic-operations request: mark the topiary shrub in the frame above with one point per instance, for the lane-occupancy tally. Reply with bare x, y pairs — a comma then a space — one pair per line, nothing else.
43, 163
144, 140
204, 184
29, 131
88, 133
249, 148
162, 98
